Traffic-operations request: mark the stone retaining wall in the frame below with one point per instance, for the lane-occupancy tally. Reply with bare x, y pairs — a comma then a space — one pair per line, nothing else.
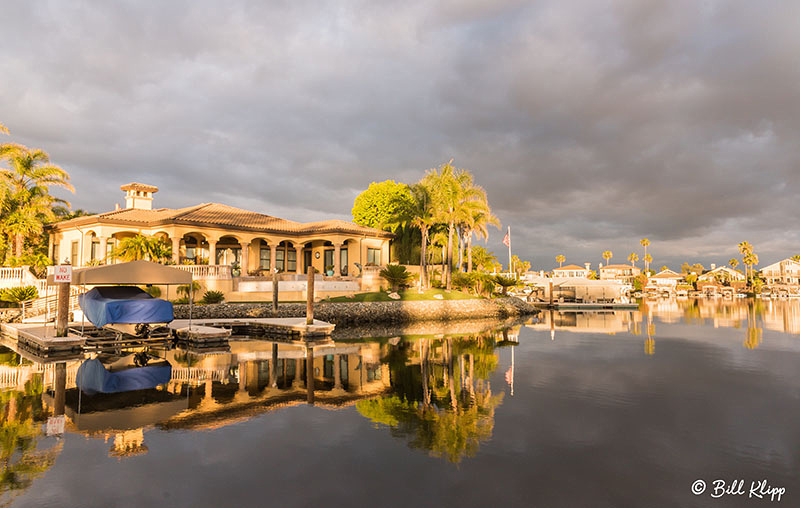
356, 313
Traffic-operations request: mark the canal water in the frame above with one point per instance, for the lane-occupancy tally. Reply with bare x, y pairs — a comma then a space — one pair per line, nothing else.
604, 409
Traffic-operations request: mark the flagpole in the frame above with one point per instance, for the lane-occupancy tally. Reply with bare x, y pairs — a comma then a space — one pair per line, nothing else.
513, 347
510, 268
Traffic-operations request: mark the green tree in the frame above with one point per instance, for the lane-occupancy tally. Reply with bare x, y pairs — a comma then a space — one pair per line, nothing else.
647, 260
3, 129
734, 263
396, 276
796, 257
389, 206
483, 259
633, 258
477, 223
520, 267
27, 202
607, 255
560, 260
138, 247
504, 283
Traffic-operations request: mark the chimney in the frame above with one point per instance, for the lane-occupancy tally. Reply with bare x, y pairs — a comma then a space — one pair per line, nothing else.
588, 266
713, 265
116, 206
139, 195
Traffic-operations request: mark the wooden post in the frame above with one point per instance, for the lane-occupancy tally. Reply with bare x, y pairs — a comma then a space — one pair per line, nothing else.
62, 316
273, 366
310, 297
551, 293
275, 291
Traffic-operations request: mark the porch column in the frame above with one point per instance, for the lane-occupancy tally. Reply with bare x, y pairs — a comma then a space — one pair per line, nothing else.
245, 258
337, 258
337, 372
50, 245
273, 254
103, 249
212, 252
299, 249
176, 249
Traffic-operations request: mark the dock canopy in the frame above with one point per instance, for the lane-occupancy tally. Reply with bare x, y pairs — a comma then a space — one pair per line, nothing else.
133, 272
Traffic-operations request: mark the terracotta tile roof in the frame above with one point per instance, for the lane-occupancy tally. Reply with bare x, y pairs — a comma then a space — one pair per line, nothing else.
139, 186
219, 216
570, 267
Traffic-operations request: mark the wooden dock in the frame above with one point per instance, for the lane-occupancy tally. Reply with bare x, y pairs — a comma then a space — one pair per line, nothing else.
41, 338
205, 329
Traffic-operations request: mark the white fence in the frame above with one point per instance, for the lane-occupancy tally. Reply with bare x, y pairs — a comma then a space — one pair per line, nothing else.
15, 277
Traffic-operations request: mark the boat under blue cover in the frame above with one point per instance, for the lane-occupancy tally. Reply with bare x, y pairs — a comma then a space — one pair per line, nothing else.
124, 304
92, 377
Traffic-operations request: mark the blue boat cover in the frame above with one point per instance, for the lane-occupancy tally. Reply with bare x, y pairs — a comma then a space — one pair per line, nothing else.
124, 304
92, 377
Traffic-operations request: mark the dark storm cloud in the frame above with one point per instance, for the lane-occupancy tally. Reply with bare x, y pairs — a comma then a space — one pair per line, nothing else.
590, 124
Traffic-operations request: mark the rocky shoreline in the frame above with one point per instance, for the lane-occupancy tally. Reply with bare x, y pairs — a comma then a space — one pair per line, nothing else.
359, 313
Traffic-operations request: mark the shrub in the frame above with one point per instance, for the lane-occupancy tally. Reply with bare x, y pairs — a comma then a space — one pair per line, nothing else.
181, 301
505, 283
396, 276
483, 283
213, 297
463, 281
153, 291
19, 294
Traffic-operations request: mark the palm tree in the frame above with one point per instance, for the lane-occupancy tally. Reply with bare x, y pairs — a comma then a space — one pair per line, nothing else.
796, 257
3, 129
633, 258
645, 242
27, 202
478, 222
560, 260
396, 276
647, 260
142, 247
733, 262
745, 248
607, 255
454, 196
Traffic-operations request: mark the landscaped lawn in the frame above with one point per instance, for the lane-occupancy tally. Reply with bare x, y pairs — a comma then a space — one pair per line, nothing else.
408, 295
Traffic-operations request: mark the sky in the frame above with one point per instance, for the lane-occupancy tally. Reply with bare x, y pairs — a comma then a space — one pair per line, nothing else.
591, 124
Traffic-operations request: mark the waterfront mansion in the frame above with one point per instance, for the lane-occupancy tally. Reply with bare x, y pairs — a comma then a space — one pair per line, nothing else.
214, 234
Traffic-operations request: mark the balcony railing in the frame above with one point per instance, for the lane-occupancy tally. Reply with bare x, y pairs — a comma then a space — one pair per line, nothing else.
207, 272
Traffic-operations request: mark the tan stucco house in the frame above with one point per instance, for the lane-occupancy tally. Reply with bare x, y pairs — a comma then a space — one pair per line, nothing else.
211, 237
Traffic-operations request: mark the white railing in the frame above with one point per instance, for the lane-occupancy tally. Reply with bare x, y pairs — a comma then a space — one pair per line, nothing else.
207, 272
15, 277
17, 376
47, 303
197, 374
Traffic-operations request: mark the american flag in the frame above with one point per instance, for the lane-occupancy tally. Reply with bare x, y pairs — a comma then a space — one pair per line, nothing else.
507, 239
510, 376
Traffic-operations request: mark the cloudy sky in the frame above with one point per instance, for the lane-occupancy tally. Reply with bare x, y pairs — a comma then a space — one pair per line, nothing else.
591, 124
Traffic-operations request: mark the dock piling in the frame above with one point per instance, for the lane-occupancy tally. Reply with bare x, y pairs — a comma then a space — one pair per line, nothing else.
62, 316
275, 291
310, 297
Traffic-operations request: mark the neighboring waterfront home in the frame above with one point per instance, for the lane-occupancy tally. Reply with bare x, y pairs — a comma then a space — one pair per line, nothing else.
216, 234
786, 272
623, 273
572, 271
721, 274
664, 280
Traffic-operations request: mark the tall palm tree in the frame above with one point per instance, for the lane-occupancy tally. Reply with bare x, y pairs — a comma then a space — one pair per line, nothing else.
560, 260
647, 260
27, 200
745, 248
478, 221
633, 258
645, 242
422, 219
607, 255
733, 262
454, 194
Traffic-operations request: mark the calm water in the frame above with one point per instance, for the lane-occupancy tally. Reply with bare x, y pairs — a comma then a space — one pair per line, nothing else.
581, 409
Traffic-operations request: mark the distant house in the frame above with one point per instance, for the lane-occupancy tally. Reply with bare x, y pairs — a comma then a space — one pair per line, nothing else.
786, 271
721, 273
572, 271
665, 279
624, 273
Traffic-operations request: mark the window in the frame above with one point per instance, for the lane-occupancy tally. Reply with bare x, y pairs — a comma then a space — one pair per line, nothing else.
74, 252
328, 258
55, 254
264, 258
327, 366
373, 256
280, 258
109, 250
291, 260
95, 251
343, 260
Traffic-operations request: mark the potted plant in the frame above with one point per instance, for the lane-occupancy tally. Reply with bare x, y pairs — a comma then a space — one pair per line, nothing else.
236, 269
329, 270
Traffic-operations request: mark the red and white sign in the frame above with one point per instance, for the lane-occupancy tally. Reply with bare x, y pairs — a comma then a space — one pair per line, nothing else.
62, 273
55, 425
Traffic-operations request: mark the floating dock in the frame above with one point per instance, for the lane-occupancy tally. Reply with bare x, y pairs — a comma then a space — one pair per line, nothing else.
41, 338
587, 306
